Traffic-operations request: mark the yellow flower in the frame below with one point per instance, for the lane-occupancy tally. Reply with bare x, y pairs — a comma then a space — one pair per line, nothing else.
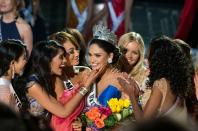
118, 109
126, 103
121, 103
113, 109
113, 102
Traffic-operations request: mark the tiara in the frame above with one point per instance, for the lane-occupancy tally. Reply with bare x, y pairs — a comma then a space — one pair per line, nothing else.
102, 33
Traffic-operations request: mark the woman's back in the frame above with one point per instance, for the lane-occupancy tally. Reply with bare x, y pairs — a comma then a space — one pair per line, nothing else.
171, 105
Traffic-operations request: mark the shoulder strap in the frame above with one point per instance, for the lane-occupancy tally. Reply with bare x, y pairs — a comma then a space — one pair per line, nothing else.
162, 86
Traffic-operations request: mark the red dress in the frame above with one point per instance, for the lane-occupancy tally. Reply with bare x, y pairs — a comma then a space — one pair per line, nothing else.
65, 124
119, 7
186, 19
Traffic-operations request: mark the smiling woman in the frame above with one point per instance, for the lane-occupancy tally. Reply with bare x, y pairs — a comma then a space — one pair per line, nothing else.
67, 86
72, 72
132, 46
103, 52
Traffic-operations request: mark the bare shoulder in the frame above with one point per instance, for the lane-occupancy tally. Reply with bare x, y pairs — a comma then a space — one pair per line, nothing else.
161, 84
34, 87
22, 24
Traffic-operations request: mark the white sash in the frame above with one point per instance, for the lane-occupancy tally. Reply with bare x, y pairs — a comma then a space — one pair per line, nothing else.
115, 20
91, 98
7, 82
81, 17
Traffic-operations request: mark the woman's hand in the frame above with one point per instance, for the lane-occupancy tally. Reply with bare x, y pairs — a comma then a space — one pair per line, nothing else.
129, 85
196, 83
92, 76
77, 125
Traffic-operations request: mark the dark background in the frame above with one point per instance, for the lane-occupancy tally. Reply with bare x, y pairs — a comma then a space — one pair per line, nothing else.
149, 17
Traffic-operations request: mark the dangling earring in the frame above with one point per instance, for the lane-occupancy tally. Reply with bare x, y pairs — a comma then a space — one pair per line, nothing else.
109, 60
13, 72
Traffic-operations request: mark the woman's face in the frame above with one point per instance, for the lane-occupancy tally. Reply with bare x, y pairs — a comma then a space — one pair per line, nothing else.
7, 6
73, 53
57, 63
20, 64
132, 52
97, 56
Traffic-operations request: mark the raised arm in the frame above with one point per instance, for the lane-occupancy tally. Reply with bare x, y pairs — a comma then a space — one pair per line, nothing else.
52, 105
153, 104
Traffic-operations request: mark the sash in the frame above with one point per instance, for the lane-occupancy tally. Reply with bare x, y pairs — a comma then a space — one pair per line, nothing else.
81, 17
17, 100
91, 98
116, 21
68, 84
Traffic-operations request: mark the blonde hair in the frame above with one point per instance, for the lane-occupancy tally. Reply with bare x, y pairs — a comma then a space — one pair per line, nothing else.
19, 4
130, 37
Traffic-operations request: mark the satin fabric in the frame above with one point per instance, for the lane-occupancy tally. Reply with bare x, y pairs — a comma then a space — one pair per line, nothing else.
110, 92
65, 124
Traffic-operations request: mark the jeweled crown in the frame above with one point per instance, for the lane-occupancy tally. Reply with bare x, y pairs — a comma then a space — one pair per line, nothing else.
102, 33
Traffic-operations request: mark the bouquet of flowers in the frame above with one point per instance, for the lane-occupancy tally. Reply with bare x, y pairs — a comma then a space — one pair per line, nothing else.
100, 117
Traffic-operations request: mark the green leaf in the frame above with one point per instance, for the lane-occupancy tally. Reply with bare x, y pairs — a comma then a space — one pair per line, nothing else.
110, 121
125, 113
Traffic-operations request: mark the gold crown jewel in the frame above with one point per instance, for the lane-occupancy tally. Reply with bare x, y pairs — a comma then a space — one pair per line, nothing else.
102, 33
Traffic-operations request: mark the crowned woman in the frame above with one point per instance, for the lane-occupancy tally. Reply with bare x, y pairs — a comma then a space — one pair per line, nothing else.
103, 52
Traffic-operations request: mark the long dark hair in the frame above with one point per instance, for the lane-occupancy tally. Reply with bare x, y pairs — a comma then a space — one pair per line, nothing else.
168, 61
10, 50
39, 64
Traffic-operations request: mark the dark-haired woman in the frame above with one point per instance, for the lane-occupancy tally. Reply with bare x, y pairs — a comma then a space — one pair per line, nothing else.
72, 74
44, 66
170, 80
103, 52
13, 58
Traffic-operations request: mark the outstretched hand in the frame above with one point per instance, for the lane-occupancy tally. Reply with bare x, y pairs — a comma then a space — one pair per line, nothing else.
129, 85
